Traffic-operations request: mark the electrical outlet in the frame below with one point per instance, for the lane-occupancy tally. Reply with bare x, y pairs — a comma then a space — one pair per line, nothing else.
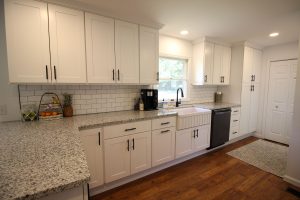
3, 110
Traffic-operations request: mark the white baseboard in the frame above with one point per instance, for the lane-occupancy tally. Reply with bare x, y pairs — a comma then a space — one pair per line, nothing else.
292, 180
117, 183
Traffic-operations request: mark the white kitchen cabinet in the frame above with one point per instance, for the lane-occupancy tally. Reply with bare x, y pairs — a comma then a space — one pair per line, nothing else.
244, 85
191, 140
127, 52
252, 65
92, 140
126, 152
235, 123
117, 158
149, 43
67, 45
163, 146
140, 152
100, 49
211, 64
27, 40
221, 69
203, 63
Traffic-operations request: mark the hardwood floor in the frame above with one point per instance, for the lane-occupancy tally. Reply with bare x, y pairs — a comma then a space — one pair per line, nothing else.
212, 176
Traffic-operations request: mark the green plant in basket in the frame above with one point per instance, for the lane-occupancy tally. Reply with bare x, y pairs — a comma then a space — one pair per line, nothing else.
68, 109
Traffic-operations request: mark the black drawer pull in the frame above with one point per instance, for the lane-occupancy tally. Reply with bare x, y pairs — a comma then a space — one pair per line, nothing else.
236, 111
128, 145
130, 129
165, 123
235, 120
99, 138
165, 131
133, 143
234, 132
197, 133
54, 72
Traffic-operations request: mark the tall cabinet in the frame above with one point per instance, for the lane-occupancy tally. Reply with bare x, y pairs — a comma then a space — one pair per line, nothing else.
245, 84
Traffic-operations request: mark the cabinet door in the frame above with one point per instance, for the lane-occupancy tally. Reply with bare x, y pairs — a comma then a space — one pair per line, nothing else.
248, 62
117, 158
100, 49
27, 41
163, 146
67, 45
245, 108
254, 108
140, 152
208, 63
256, 65
184, 142
218, 62
92, 140
148, 55
226, 61
202, 139
127, 52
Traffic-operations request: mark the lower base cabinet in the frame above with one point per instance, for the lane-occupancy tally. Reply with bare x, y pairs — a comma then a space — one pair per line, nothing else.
163, 146
92, 140
191, 140
127, 155
78, 193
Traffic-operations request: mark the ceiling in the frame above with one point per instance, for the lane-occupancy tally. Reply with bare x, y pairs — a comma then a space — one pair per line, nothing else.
226, 20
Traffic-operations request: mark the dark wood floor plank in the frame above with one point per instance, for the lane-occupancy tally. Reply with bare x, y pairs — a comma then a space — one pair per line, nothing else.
214, 176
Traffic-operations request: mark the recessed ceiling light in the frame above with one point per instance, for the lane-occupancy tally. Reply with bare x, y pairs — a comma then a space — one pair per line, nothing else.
184, 32
273, 34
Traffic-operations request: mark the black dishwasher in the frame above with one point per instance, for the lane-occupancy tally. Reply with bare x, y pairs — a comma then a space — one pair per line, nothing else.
220, 127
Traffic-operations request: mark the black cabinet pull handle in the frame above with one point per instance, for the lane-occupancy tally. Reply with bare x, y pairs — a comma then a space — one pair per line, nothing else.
99, 138
197, 133
118, 75
253, 77
235, 120
130, 129
253, 87
165, 131
221, 79
165, 123
47, 72
205, 78
113, 74
236, 111
157, 74
133, 143
54, 72
234, 132
194, 131
128, 145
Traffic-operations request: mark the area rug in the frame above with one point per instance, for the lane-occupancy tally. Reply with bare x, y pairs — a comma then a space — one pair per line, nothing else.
268, 156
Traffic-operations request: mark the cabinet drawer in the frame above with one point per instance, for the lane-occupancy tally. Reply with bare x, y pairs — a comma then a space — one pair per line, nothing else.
234, 132
126, 129
235, 120
235, 110
163, 122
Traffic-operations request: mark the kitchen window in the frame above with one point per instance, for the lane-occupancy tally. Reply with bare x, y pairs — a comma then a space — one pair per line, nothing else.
172, 75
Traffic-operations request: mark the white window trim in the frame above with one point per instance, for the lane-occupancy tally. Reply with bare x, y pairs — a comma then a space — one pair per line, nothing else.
189, 62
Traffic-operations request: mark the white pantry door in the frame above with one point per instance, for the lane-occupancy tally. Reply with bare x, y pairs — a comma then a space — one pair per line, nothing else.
281, 100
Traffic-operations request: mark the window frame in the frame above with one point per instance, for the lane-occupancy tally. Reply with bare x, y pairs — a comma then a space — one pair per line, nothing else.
187, 73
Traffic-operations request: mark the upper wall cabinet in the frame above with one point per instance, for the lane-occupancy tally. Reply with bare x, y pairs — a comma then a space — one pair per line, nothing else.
149, 43
28, 46
211, 64
100, 49
127, 52
27, 41
67, 45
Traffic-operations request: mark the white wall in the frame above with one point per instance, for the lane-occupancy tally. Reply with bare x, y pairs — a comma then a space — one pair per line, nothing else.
174, 47
293, 164
8, 93
272, 53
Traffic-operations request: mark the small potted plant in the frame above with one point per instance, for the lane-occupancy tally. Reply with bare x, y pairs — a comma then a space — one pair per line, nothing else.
68, 109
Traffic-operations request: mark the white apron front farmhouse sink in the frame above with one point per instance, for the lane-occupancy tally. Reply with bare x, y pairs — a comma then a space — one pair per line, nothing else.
192, 117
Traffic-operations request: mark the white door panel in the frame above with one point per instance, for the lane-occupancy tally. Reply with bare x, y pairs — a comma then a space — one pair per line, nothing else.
184, 142
281, 100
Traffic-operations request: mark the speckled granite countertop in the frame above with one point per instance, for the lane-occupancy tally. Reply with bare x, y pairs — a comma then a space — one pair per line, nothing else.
212, 106
41, 158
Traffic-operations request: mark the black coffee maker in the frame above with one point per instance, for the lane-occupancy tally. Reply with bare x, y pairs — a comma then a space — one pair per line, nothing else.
150, 99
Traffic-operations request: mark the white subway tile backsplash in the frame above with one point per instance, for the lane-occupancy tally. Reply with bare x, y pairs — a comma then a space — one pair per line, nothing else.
103, 98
